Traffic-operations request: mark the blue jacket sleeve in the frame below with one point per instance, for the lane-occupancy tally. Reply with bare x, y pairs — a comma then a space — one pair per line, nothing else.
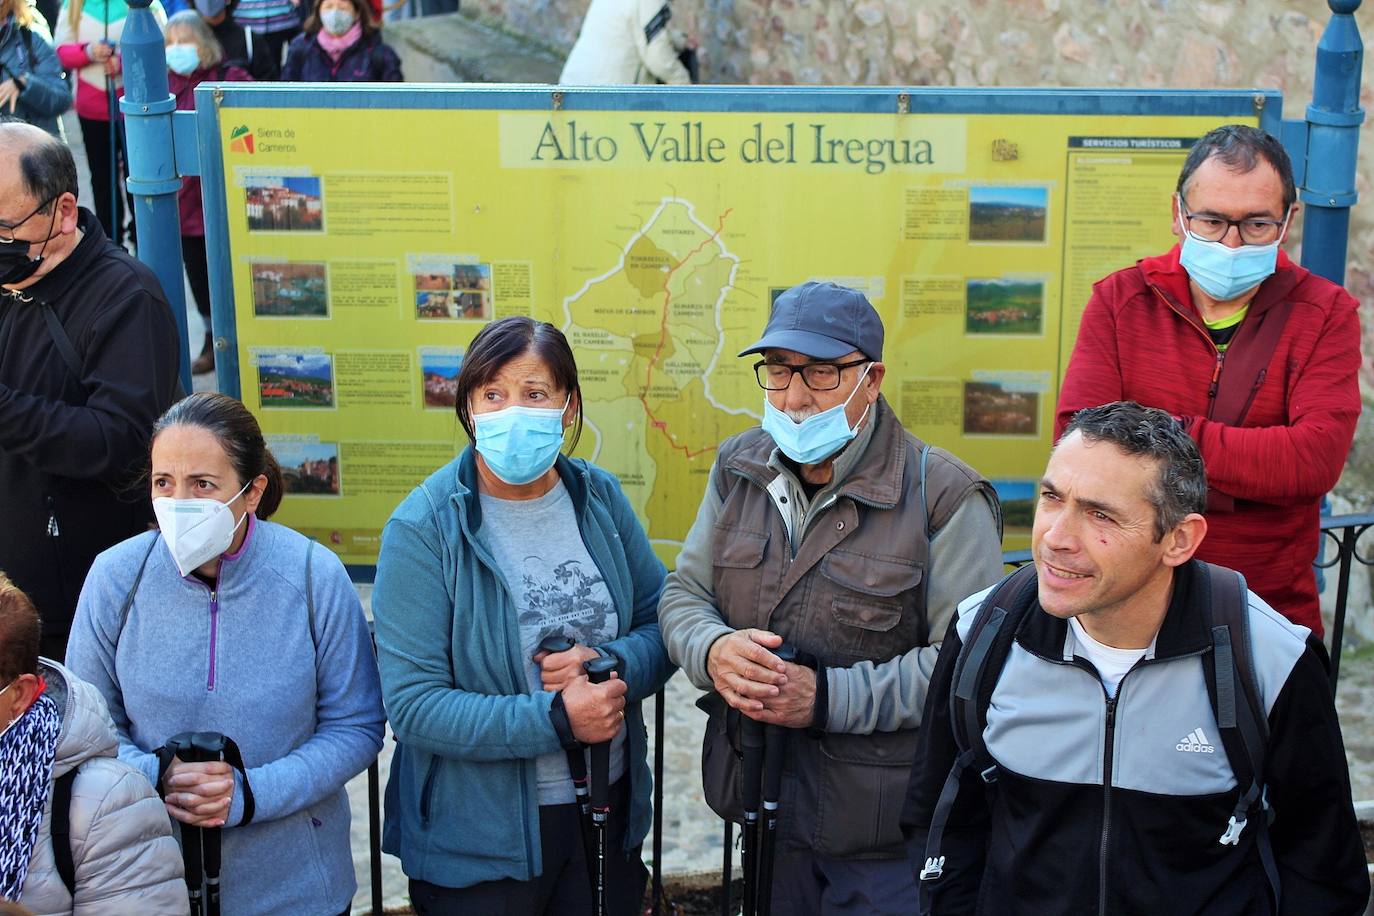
46, 93
348, 706
644, 660
413, 613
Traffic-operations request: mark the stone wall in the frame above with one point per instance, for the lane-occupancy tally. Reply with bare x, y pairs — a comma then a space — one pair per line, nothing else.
1084, 43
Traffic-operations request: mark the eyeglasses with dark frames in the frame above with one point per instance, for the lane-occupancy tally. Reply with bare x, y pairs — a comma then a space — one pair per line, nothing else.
774, 376
1210, 227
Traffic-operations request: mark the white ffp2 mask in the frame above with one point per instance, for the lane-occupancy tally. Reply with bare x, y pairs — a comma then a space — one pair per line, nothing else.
196, 530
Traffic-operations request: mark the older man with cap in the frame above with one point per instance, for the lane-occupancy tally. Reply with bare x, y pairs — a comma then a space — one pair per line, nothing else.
834, 529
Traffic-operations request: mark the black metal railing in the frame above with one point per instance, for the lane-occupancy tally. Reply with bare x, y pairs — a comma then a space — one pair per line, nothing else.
1344, 531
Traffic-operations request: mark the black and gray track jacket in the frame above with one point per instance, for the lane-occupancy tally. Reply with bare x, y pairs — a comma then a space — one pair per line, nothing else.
1054, 835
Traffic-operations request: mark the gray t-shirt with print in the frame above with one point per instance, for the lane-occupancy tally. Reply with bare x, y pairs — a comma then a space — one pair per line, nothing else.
557, 590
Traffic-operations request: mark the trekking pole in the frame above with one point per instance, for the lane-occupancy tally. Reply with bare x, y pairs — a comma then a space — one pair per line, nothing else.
200, 847
598, 672
751, 739
774, 753
577, 769
112, 109
191, 839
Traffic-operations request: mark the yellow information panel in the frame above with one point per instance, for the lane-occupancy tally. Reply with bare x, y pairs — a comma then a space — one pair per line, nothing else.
363, 266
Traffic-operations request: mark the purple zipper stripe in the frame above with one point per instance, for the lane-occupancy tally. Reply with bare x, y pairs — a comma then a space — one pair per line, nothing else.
214, 635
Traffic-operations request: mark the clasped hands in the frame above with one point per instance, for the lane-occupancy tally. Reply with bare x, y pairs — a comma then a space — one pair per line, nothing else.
759, 684
198, 794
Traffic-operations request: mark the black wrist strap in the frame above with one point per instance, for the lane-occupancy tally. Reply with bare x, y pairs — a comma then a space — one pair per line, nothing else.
232, 756
562, 725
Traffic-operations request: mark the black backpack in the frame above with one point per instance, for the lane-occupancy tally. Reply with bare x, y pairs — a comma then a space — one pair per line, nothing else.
1234, 693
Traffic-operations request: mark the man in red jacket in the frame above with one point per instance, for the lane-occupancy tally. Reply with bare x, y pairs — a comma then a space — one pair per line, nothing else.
1257, 356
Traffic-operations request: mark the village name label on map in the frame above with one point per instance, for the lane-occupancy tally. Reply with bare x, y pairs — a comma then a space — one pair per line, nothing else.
688, 142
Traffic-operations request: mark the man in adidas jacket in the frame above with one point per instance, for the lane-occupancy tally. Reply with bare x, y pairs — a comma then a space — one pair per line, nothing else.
1109, 789
74, 426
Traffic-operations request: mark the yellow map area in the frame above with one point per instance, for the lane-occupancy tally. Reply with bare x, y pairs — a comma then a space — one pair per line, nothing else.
363, 264
649, 340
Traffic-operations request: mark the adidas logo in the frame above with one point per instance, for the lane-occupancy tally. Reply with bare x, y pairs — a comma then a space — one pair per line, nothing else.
1195, 742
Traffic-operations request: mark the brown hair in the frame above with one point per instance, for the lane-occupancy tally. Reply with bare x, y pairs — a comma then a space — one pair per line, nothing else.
239, 435
19, 9
502, 341
21, 631
362, 8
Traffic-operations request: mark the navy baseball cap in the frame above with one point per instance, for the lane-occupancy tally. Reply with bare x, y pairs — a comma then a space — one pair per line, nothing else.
824, 321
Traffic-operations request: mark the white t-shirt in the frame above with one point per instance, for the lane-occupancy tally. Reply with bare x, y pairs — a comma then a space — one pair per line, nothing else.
1111, 663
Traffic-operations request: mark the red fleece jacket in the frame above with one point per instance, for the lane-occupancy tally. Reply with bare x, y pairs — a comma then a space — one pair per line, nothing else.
1142, 339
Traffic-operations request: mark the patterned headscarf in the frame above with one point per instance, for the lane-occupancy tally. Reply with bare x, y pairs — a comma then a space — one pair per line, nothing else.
26, 756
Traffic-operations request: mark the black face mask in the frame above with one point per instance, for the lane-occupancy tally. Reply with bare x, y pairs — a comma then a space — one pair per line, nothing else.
15, 264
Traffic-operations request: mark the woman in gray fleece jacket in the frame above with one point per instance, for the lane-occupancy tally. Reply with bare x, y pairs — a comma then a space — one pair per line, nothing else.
246, 628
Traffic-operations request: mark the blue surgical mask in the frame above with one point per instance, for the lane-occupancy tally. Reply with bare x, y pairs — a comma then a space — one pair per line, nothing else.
183, 58
818, 436
1225, 273
520, 443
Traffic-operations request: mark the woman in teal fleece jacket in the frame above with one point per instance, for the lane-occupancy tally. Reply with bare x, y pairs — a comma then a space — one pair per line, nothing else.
264, 641
506, 545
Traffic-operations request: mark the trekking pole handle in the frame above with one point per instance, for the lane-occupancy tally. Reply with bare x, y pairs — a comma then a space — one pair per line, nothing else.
599, 672
577, 764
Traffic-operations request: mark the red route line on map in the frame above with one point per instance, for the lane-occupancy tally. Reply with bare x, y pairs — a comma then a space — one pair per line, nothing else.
658, 424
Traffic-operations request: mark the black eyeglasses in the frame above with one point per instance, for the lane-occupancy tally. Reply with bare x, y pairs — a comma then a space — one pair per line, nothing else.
1209, 227
816, 376
7, 230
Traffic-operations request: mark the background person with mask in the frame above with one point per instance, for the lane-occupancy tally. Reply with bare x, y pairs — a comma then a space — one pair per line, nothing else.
835, 529
1257, 356
225, 622
88, 359
194, 56
509, 544
342, 43
53, 726
240, 45
33, 87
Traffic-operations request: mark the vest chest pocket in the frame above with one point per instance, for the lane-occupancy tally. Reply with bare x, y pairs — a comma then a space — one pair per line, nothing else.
737, 572
873, 605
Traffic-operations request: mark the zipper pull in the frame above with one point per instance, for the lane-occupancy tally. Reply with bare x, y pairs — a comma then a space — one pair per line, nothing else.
1216, 374
53, 530
1111, 711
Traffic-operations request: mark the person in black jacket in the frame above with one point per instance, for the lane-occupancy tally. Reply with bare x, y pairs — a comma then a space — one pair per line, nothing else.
88, 359
341, 43
240, 48
1114, 785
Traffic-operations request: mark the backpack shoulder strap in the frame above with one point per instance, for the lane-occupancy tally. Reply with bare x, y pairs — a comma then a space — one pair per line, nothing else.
1239, 709
984, 654
61, 829
310, 597
65, 348
133, 589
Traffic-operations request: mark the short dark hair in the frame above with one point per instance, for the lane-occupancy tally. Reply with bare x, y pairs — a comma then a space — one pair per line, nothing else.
21, 631
1181, 488
361, 8
47, 167
502, 341
238, 434
1241, 148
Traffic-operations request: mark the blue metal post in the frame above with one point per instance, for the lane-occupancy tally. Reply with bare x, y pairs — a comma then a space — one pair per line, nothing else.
1333, 120
153, 178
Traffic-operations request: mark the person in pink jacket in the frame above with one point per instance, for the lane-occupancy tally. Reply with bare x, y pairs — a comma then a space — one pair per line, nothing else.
87, 42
